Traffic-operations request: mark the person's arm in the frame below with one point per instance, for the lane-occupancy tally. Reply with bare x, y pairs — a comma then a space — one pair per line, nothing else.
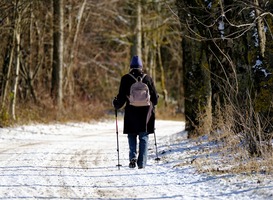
153, 92
121, 98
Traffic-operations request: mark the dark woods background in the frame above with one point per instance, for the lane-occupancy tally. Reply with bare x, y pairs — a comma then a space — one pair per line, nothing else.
211, 61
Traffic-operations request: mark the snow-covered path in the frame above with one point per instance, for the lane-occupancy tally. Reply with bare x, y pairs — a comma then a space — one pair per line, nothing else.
75, 161
78, 161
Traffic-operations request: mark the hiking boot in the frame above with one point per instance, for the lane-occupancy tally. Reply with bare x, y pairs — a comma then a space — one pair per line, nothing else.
132, 163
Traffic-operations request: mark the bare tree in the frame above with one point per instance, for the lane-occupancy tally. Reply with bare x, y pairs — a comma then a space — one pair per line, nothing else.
96, 50
17, 37
138, 42
57, 68
231, 35
71, 46
260, 27
7, 66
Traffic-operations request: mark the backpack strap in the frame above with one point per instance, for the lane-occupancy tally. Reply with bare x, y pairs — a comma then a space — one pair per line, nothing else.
132, 76
143, 76
136, 79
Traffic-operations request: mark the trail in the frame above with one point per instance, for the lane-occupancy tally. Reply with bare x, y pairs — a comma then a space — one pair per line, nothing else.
73, 161
78, 161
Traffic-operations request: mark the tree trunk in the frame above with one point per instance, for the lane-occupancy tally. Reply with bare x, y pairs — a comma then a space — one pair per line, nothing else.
68, 82
139, 28
197, 87
57, 71
260, 28
30, 74
196, 74
137, 48
7, 71
17, 62
162, 76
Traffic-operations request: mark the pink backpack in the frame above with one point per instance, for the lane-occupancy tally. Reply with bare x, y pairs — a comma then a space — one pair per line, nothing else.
139, 93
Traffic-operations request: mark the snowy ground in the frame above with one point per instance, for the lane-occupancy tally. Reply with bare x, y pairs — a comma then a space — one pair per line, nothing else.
78, 161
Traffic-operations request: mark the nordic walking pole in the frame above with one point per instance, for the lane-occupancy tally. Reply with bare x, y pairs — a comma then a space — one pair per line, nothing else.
157, 158
116, 113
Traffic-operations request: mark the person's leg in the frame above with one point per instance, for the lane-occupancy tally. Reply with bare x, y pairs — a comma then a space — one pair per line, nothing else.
143, 149
132, 141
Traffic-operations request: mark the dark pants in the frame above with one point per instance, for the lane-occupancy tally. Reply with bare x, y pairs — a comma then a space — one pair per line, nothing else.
143, 148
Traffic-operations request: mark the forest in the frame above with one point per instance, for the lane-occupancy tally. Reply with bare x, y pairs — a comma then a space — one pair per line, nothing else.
211, 61
67, 57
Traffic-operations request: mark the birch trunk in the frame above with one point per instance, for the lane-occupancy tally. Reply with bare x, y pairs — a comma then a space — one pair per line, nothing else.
260, 28
69, 80
17, 64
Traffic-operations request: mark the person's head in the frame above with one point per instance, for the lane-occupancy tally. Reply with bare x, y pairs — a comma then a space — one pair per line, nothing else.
136, 63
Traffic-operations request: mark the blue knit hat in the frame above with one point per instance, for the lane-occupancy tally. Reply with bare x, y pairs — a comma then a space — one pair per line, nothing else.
136, 62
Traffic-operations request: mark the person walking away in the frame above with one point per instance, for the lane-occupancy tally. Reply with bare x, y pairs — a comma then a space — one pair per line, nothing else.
139, 118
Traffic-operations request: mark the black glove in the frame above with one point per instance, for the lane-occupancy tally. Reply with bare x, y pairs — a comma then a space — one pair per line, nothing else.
115, 103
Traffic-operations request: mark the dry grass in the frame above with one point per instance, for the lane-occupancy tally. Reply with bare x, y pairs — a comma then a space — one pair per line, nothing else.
241, 145
44, 112
169, 113
231, 150
75, 110
226, 164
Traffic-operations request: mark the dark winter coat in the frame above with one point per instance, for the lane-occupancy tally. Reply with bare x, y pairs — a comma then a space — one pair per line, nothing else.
135, 117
